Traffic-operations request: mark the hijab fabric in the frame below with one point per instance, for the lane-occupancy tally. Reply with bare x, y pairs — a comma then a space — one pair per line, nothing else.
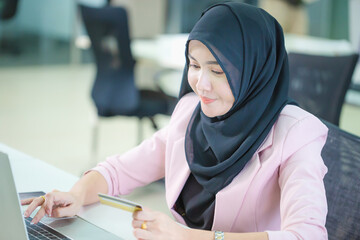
248, 44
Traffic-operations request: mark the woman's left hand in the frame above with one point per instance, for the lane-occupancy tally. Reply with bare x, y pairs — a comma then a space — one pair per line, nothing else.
150, 224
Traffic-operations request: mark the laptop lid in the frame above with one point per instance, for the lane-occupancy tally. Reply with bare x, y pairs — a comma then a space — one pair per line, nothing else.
12, 225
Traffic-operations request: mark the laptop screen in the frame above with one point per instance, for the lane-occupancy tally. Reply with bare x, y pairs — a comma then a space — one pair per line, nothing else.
12, 224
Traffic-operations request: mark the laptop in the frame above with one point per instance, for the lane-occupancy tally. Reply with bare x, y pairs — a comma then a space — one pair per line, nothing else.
14, 226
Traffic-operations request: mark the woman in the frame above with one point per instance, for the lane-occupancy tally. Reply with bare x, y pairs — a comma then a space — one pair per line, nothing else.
237, 156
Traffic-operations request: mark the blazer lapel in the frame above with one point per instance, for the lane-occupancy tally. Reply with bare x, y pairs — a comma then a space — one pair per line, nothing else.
228, 201
177, 174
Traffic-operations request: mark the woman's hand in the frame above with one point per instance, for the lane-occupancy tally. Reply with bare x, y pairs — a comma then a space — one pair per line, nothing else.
53, 204
158, 226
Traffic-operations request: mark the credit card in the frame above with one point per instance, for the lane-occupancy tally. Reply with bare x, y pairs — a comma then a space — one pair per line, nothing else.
119, 203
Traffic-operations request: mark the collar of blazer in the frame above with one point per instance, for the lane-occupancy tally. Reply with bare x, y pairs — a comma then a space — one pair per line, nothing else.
230, 199
180, 172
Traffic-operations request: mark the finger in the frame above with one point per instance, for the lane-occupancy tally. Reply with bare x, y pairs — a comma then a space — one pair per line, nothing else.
57, 199
27, 201
61, 198
49, 203
136, 223
60, 204
39, 215
33, 205
141, 234
144, 215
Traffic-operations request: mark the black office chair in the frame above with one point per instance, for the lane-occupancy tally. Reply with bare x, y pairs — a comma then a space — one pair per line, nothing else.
341, 155
114, 91
319, 83
8, 10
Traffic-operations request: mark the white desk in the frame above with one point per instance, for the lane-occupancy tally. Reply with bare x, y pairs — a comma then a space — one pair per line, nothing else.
34, 175
168, 50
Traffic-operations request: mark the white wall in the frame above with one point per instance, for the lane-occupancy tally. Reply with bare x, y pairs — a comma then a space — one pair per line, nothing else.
354, 32
146, 17
354, 20
51, 18
56, 18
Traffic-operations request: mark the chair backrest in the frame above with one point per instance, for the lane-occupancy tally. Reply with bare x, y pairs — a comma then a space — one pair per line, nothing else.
8, 9
341, 155
319, 83
114, 91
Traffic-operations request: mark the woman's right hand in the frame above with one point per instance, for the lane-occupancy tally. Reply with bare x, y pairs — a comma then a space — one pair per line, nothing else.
55, 204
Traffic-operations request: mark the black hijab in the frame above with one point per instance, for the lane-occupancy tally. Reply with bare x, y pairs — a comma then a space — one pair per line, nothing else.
248, 44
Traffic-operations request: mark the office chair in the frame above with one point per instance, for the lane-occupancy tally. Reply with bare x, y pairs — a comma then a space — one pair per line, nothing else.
8, 10
341, 155
114, 91
319, 83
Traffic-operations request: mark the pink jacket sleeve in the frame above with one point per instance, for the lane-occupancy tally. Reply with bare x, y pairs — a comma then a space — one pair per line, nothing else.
146, 162
137, 167
303, 205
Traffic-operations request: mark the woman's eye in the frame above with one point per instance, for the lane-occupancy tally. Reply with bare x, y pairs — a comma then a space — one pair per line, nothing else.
194, 65
217, 72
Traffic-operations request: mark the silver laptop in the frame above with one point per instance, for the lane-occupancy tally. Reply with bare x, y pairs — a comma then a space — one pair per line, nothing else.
14, 226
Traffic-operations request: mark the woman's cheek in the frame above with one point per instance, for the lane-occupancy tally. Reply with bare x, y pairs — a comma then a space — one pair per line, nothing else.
192, 80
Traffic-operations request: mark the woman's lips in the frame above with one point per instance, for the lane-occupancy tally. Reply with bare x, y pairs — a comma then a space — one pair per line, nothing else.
207, 100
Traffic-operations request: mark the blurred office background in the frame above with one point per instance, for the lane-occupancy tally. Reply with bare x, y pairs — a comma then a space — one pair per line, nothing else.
47, 71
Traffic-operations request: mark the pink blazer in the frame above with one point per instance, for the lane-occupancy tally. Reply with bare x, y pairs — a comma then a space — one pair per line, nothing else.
280, 190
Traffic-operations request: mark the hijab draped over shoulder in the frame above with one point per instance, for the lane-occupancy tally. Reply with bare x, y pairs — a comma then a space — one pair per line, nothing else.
248, 44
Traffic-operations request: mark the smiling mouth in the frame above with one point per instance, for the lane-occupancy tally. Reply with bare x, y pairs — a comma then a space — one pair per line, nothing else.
207, 100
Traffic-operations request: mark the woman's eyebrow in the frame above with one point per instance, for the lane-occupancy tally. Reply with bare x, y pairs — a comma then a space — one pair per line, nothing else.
207, 62
212, 62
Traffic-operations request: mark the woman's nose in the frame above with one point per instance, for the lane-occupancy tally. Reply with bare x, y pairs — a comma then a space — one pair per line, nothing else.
203, 83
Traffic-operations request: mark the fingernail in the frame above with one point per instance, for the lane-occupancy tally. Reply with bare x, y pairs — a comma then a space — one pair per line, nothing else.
32, 223
25, 214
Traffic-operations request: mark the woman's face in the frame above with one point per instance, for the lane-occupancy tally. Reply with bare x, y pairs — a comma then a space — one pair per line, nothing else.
208, 81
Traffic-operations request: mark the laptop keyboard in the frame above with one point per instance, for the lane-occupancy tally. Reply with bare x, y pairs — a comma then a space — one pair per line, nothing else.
41, 231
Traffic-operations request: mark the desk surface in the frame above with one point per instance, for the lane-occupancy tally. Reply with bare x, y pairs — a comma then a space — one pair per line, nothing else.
168, 50
34, 175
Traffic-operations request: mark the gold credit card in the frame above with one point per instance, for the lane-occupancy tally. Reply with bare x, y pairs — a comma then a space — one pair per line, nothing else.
119, 203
